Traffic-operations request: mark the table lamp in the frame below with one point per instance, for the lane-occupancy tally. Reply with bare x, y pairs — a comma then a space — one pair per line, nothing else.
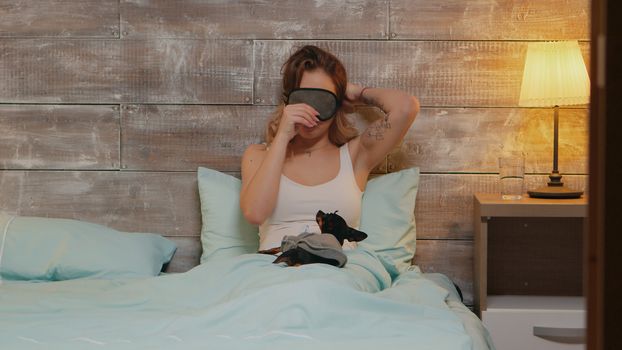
554, 75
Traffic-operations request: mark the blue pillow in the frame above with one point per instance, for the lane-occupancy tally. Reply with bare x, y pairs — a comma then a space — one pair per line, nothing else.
388, 217
224, 232
54, 249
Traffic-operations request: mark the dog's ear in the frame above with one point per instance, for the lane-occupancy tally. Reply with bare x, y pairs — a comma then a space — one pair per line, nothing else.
355, 235
338, 221
319, 218
319, 214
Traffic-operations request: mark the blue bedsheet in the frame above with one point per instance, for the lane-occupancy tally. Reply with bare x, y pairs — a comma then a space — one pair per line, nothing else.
244, 302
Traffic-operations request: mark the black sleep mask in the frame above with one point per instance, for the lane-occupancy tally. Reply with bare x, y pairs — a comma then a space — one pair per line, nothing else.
324, 101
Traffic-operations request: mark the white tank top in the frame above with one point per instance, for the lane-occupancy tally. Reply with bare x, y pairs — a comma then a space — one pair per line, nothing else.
297, 204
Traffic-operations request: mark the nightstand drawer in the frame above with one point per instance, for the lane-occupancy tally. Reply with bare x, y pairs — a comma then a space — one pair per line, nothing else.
535, 329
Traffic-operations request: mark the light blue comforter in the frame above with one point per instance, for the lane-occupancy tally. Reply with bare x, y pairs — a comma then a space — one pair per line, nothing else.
244, 302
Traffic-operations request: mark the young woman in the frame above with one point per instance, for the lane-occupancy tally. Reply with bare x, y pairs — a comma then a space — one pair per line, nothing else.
308, 164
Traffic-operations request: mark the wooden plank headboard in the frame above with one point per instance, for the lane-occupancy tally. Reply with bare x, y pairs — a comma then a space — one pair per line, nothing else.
107, 108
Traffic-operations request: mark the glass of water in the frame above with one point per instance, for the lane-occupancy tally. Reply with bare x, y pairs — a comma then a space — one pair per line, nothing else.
512, 175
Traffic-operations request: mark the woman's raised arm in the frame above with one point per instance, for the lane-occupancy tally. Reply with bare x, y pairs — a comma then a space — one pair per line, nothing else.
384, 134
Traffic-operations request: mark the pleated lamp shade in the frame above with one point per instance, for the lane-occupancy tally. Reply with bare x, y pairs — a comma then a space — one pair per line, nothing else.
554, 75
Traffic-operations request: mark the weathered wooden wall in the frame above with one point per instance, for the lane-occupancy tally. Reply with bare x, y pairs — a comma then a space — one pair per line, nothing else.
108, 107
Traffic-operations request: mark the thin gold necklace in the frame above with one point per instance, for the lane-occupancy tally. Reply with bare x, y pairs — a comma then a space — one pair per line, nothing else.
308, 151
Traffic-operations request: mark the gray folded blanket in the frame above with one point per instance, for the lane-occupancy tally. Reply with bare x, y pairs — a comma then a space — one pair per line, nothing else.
312, 248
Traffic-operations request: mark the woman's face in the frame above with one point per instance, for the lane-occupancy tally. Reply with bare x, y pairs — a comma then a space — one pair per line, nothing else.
316, 79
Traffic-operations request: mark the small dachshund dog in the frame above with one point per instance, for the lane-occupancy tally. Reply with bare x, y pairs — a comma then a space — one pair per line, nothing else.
337, 226
329, 223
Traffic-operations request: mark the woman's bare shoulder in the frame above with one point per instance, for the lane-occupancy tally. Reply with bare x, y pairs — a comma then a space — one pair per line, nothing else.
256, 150
257, 147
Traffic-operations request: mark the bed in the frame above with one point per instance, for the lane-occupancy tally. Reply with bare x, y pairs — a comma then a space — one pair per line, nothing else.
235, 298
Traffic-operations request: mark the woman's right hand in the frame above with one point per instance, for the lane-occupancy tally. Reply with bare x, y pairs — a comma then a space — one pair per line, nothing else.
295, 115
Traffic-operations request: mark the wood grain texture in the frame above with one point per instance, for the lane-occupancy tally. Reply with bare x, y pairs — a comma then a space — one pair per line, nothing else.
176, 137
187, 255
493, 205
60, 18
279, 19
490, 20
439, 73
125, 71
166, 203
453, 258
444, 206
472, 139
179, 137
59, 137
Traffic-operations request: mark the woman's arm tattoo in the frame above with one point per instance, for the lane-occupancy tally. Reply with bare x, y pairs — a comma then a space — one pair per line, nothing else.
377, 128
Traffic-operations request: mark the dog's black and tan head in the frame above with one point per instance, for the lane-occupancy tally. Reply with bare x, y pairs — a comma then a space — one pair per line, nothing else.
334, 224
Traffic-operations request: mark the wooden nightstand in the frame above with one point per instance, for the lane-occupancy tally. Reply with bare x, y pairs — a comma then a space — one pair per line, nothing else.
528, 270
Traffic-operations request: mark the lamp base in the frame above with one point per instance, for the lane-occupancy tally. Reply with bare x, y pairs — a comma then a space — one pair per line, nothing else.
555, 192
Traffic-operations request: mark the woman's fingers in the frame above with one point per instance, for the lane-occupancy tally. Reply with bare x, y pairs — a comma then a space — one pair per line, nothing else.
308, 109
303, 119
305, 107
300, 117
297, 115
311, 111
305, 112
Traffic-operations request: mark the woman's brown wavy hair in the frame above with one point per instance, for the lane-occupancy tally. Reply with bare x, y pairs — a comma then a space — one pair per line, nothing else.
308, 58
